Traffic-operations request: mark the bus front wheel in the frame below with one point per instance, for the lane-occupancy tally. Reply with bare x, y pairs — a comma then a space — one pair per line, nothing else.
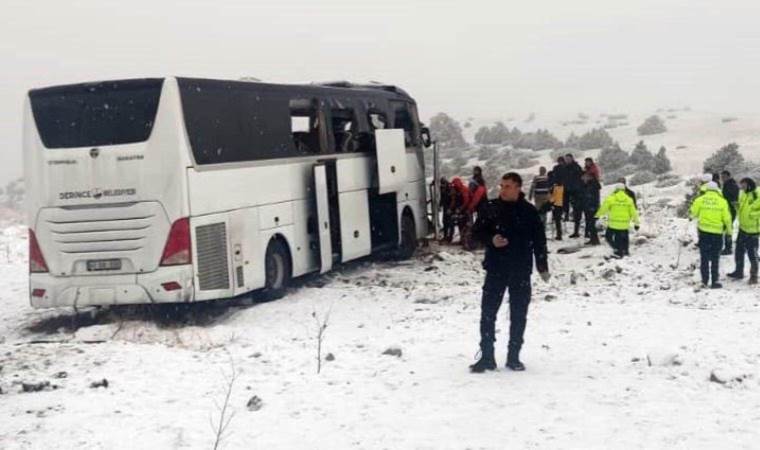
278, 270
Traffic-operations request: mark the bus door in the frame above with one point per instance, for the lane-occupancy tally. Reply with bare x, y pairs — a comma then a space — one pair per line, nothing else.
323, 218
391, 160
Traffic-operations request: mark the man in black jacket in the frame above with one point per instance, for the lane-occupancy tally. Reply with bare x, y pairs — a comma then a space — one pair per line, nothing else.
731, 194
573, 186
513, 235
590, 200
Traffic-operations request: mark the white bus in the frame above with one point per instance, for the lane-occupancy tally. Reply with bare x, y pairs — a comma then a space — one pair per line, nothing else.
182, 189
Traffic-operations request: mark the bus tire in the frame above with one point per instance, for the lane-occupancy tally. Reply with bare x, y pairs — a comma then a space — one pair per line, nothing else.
408, 237
278, 270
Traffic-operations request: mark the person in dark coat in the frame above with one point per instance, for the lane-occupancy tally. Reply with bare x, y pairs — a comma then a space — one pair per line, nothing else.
445, 206
513, 236
540, 192
731, 194
573, 185
590, 201
557, 174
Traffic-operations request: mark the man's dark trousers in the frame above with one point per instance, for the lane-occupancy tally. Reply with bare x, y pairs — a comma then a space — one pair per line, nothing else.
746, 244
618, 240
519, 289
709, 252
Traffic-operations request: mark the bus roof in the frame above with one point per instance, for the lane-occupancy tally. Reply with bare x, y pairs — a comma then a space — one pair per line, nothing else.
340, 88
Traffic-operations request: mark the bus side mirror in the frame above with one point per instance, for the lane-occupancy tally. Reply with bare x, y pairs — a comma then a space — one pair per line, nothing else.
425, 135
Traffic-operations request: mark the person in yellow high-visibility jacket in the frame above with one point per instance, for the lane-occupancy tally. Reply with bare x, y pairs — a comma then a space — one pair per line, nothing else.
713, 221
621, 211
748, 213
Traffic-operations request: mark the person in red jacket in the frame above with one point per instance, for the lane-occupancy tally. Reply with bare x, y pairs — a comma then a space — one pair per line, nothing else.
593, 169
460, 199
478, 198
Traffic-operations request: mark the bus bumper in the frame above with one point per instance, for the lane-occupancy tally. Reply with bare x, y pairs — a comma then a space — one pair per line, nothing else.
173, 284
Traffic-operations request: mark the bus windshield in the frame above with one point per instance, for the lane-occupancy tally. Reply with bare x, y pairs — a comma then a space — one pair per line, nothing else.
96, 114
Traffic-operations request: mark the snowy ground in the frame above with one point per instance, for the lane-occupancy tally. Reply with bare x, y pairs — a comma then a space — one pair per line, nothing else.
620, 354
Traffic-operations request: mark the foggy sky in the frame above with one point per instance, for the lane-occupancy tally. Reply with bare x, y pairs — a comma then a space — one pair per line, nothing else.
468, 58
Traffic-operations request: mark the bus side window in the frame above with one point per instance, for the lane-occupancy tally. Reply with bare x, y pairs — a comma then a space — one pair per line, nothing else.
402, 118
305, 126
345, 130
377, 121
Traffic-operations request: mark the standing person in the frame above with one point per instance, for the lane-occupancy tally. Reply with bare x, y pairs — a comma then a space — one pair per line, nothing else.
628, 191
590, 200
731, 194
559, 175
714, 219
539, 192
592, 168
445, 206
558, 172
473, 183
749, 230
478, 200
557, 201
573, 186
512, 233
460, 198
621, 211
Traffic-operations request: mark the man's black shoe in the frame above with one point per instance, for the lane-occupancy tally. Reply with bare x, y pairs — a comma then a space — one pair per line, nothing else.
735, 275
716, 286
517, 366
726, 251
483, 364
575, 235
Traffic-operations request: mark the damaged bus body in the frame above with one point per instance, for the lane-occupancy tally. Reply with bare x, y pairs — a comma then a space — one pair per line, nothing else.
180, 190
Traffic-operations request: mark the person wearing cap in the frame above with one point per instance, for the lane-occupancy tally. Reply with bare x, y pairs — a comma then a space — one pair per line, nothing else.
730, 191
713, 221
621, 211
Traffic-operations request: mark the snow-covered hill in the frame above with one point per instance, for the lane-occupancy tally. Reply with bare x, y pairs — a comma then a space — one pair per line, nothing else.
620, 354
692, 136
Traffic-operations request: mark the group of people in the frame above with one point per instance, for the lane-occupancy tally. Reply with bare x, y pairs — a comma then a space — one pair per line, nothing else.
460, 206
513, 233
719, 203
570, 191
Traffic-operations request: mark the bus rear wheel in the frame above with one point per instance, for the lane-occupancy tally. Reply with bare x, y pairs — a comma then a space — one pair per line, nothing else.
278, 270
408, 237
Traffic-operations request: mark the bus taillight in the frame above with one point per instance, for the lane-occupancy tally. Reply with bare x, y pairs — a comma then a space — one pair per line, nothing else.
36, 260
177, 249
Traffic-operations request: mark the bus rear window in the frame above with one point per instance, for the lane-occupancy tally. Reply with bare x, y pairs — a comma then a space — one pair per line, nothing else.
96, 114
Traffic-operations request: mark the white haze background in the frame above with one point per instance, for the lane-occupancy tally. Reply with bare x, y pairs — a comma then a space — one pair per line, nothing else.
479, 58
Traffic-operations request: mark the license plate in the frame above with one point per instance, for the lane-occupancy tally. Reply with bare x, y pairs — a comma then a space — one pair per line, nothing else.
103, 264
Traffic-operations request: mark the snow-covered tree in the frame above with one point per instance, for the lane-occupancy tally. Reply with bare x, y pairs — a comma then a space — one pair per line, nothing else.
612, 158
653, 125
642, 158
661, 162
446, 131
727, 158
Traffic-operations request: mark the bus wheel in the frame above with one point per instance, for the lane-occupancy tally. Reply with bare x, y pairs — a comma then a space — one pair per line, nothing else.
408, 237
278, 270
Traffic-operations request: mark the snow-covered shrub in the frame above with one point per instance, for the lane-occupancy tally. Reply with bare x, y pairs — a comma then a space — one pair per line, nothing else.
642, 158
668, 180
612, 158
613, 176
642, 177
486, 152
653, 125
